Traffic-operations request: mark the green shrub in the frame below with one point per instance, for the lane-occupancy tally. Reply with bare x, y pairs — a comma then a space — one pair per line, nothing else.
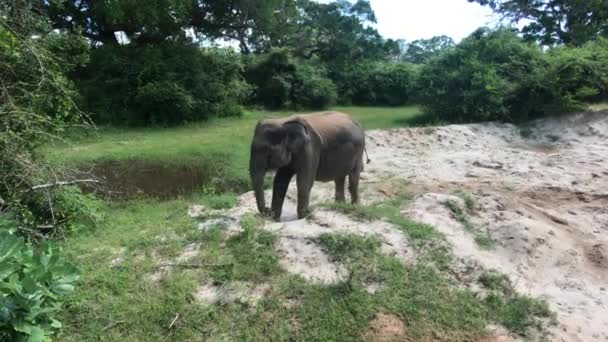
170, 83
495, 75
37, 101
281, 81
378, 84
32, 284
312, 89
580, 74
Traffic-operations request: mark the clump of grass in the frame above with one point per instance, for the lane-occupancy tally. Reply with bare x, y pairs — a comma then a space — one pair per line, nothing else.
344, 247
483, 239
357, 211
389, 210
496, 281
251, 254
469, 201
518, 313
220, 201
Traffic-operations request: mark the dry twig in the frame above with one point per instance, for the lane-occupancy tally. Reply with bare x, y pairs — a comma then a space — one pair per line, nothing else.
63, 183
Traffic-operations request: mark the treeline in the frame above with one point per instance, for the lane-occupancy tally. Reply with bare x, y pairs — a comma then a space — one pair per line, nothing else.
146, 65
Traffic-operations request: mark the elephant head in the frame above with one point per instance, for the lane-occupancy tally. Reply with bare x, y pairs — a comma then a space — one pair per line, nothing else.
275, 145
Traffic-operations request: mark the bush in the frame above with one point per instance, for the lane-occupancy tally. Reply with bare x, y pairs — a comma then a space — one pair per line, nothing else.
312, 89
482, 77
378, 84
581, 74
495, 75
281, 81
168, 84
37, 101
31, 287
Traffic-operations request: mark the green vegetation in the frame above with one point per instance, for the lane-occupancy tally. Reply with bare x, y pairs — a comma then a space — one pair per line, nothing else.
167, 84
569, 22
220, 142
32, 286
501, 77
118, 301
482, 237
389, 210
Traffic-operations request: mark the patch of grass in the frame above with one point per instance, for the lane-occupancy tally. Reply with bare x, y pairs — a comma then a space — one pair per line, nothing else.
251, 255
217, 200
469, 200
226, 135
344, 247
389, 210
483, 239
357, 211
496, 281
518, 313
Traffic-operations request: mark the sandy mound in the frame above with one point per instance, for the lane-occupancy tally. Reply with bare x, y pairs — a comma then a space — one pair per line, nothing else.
297, 239
543, 198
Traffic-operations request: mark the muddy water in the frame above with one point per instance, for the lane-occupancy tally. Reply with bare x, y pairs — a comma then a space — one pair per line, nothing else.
127, 179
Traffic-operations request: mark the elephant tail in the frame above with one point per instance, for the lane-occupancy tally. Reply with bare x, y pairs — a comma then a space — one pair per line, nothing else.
366, 155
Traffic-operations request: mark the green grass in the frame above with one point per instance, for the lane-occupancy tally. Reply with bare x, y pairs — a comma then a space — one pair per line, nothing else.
481, 236
225, 137
389, 210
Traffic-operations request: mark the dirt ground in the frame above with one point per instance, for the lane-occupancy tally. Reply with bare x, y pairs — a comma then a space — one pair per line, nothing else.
540, 192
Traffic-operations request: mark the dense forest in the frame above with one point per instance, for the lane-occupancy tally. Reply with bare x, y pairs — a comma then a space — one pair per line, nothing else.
67, 63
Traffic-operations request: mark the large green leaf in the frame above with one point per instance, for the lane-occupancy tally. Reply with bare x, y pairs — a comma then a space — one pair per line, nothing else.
9, 247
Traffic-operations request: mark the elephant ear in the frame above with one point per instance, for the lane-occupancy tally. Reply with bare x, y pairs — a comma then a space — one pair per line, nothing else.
297, 135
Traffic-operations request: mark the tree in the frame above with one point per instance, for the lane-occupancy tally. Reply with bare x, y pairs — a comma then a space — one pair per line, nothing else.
153, 21
419, 51
569, 22
338, 32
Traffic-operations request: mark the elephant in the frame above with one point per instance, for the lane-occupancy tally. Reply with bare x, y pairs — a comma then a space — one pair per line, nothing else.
325, 146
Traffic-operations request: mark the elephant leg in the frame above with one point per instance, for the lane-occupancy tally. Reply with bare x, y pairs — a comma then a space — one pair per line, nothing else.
279, 190
340, 188
305, 182
353, 185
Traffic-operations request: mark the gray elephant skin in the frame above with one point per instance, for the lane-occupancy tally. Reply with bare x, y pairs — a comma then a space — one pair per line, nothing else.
324, 147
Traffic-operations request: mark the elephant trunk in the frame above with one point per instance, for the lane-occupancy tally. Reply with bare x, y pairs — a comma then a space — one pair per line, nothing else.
257, 171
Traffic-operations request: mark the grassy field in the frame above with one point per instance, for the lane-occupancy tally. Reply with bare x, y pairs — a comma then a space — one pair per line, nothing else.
190, 142
116, 300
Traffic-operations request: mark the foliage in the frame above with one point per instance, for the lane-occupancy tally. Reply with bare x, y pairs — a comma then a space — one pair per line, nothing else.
580, 74
32, 284
570, 22
282, 81
379, 84
251, 23
338, 33
495, 75
166, 84
37, 102
421, 50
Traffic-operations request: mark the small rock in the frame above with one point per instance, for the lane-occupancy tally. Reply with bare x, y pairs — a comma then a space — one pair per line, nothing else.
572, 212
574, 183
595, 175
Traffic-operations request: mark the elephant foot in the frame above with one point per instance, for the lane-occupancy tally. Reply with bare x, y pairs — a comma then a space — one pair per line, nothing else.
304, 213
